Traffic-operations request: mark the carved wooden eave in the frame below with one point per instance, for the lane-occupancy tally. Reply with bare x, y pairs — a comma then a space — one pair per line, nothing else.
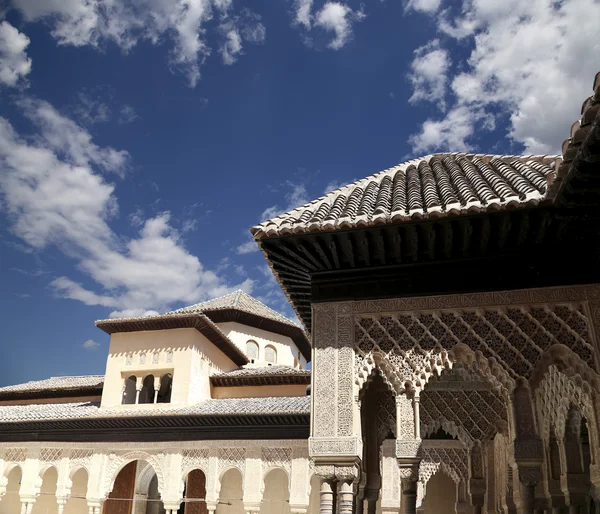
259, 380
200, 322
161, 428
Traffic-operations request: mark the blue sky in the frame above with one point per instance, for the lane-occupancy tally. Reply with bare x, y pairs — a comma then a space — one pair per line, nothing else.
140, 140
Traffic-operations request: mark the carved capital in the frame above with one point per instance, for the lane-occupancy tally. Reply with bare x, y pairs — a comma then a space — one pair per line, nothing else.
335, 447
530, 475
529, 450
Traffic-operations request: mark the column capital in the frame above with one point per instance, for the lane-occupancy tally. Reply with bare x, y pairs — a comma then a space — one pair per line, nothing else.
251, 507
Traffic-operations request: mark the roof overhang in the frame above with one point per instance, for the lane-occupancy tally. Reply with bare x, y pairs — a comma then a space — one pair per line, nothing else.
162, 428
200, 322
295, 333
52, 394
260, 380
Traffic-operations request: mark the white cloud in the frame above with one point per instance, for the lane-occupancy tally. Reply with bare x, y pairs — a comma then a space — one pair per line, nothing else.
127, 115
531, 63
90, 110
236, 30
333, 17
338, 18
14, 63
125, 23
53, 196
90, 345
247, 247
295, 197
426, 6
302, 10
428, 73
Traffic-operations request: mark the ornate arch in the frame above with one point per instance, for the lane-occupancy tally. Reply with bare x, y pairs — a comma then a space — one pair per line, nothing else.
118, 462
448, 426
555, 393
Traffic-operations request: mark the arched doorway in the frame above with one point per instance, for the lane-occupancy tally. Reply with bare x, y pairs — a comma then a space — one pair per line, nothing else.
46, 501
77, 502
194, 493
231, 492
135, 491
276, 496
11, 502
440, 495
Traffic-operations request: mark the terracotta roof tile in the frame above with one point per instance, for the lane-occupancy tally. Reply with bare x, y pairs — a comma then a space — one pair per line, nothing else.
263, 375
262, 371
431, 186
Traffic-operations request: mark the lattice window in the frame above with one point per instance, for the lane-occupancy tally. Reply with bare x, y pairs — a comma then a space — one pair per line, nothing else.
270, 355
252, 350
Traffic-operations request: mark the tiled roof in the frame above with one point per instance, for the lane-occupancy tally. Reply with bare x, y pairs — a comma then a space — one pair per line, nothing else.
238, 300
233, 406
433, 186
262, 371
584, 130
263, 375
56, 384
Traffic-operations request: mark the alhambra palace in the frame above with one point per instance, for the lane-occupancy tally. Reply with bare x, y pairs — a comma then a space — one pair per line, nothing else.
450, 311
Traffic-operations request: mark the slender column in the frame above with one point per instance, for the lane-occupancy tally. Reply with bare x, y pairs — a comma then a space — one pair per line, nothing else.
156, 388
61, 504
138, 388
346, 497
327, 489
477, 509
409, 494
371, 506
416, 410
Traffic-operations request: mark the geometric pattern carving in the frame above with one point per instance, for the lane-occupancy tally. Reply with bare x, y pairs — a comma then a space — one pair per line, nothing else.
453, 461
195, 459
277, 457
479, 414
15, 454
554, 395
229, 457
51, 454
410, 344
386, 415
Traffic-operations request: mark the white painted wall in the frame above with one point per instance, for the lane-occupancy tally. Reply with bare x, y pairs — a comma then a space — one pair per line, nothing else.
193, 358
287, 352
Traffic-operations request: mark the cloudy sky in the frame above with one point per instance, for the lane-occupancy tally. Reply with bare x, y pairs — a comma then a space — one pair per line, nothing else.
139, 139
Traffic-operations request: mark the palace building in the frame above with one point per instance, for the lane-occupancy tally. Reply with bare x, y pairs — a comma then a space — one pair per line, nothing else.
451, 307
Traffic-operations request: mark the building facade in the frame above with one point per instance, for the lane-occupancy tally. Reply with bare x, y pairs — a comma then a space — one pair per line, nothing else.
453, 307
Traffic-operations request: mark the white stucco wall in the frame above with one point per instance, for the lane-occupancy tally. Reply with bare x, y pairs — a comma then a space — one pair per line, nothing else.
185, 353
287, 352
259, 391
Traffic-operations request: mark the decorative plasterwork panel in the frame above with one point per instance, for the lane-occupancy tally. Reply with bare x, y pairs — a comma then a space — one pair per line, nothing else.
554, 395
469, 415
232, 457
411, 346
195, 459
15, 454
277, 458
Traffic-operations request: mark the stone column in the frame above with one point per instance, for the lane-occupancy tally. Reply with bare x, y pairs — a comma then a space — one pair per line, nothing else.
408, 481
156, 388
326, 494
345, 496
61, 504
138, 388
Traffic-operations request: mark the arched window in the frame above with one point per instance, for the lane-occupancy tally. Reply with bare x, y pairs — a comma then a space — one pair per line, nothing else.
252, 350
270, 355
147, 392
129, 391
164, 393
